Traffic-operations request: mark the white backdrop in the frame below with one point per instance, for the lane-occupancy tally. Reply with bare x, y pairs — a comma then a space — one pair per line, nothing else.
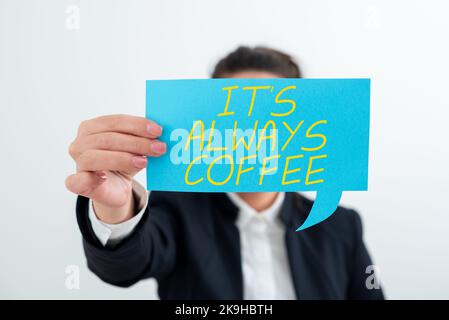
55, 73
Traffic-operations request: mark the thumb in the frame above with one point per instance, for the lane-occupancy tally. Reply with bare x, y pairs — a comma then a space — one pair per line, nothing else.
84, 182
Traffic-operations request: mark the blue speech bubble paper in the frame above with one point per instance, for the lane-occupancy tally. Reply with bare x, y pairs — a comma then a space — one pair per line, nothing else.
255, 135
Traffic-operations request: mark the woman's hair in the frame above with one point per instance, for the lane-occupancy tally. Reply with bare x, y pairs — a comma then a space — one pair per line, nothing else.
257, 59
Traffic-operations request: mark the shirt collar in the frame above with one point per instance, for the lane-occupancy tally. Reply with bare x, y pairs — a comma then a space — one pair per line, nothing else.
246, 212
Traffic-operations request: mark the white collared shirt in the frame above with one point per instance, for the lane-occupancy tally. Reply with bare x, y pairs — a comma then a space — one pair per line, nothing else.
265, 266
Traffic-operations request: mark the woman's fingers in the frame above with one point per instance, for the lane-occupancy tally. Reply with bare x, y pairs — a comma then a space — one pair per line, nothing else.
126, 124
113, 141
99, 160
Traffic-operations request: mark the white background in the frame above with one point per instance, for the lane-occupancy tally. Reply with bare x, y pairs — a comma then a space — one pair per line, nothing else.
52, 77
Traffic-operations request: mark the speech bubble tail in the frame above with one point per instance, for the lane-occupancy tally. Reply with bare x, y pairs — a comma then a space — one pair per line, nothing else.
325, 204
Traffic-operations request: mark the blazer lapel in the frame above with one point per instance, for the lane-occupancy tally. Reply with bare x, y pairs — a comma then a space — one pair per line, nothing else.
310, 280
230, 243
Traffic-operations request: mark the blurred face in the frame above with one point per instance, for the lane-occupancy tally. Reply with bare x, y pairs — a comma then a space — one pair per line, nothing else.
253, 74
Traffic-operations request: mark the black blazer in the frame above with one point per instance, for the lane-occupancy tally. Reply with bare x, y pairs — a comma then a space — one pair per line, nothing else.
190, 244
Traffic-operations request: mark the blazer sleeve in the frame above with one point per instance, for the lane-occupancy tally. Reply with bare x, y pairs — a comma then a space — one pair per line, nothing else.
362, 284
149, 251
